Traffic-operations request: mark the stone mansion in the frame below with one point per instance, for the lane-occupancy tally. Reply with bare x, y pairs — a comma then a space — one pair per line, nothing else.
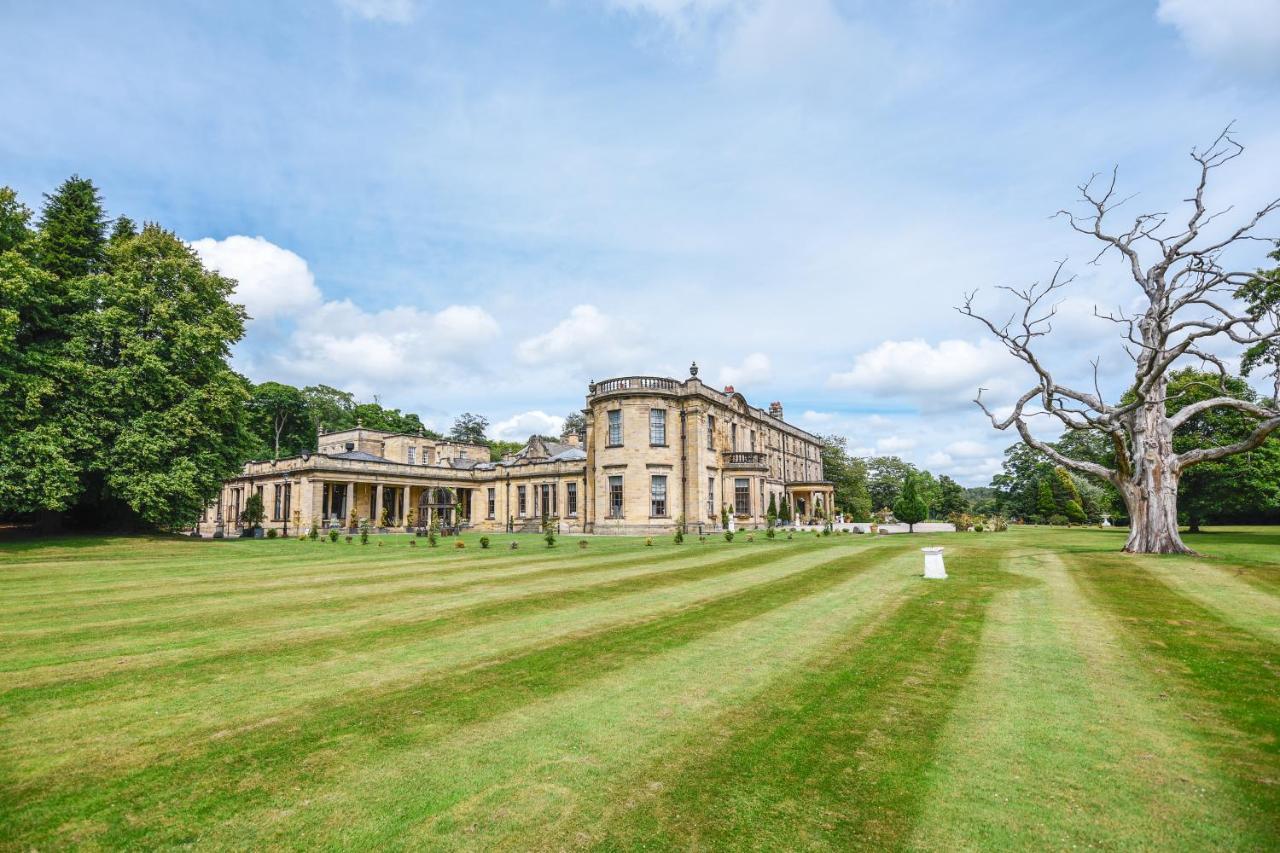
654, 449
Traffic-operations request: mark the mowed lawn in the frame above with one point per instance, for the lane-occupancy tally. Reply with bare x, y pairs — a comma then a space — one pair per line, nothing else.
814, 693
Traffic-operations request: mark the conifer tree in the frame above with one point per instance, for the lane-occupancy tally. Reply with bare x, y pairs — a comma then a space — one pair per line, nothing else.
910, 507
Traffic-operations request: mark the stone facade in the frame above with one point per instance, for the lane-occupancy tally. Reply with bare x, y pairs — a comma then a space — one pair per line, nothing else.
655, 449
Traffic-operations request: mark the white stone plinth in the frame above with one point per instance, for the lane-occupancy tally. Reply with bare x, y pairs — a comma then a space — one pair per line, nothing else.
933, 566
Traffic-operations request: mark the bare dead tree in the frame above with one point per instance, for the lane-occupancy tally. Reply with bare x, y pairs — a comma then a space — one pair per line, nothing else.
1191, 304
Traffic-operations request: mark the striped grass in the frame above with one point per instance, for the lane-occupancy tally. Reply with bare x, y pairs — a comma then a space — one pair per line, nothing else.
813, 693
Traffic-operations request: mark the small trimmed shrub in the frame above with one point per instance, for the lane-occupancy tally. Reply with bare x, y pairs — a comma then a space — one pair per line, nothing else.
333, 534
582, 543
484, 542
751, 537
379, 543
515, 545
648, 541
459, 544
364, 532
769, 532
413, 543
679, 537
549, 535
349, 538
790, 536
272, 533
728, 536
702, 539
977, 528
314, 532
432, 537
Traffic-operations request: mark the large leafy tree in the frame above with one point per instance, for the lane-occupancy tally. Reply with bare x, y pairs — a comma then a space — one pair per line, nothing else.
848, 475
885, 478
118, 404
1190, 307
952, 498
470, 428
1242, 486
280, 411
173, 407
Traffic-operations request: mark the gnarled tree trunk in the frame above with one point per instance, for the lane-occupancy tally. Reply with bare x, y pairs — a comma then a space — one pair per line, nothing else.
1151, 491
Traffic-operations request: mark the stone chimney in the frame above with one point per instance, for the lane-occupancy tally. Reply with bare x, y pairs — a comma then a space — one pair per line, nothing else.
572, 439
775, 409
728, 389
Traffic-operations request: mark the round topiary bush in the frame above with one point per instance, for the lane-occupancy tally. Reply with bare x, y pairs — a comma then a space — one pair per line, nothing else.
484, 541
582, 543
459, 544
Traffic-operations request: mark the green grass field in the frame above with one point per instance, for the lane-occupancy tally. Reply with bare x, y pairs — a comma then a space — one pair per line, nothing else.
814, 693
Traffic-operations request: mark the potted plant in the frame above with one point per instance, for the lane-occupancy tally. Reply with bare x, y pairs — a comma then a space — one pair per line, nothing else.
409, 519
352, 522
253, 514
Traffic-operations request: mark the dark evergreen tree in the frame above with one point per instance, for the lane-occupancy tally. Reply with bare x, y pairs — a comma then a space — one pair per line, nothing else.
72, 230
910, 508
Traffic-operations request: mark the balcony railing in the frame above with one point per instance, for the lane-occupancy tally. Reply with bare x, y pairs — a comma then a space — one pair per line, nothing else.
641, 383
740, 457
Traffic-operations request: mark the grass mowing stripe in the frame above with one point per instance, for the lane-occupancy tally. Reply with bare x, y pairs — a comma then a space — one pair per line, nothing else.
1220, 679
1059, 740
131, 731
540, 776
1226, 592
412, 623
831, 757
273, 611
227, 775
352, 569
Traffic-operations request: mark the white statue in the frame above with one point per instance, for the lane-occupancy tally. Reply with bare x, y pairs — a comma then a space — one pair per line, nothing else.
1106, 521
933, 565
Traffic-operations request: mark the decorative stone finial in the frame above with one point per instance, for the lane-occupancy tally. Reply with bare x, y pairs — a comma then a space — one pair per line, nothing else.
359, 423
693, 369
591, 386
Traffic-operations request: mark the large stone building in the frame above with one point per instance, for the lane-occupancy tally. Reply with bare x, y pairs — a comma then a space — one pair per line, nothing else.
654, 449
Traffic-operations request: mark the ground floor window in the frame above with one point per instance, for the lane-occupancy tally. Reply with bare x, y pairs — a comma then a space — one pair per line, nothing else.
571, 499
493, 502
520, 501
742, 496
658, 496
280, 502
615, 497
711, 497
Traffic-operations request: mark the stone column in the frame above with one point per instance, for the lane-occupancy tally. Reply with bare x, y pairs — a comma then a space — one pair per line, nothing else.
350, 502
377, 505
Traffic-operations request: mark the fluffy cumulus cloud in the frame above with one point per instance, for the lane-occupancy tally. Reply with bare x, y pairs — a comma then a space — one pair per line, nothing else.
270, 281
391, 11
521, 426
756, 367
586, 339
341, 340
1243, 35
932, 376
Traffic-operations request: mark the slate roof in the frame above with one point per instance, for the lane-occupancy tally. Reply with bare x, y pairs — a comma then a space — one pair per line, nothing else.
358, 456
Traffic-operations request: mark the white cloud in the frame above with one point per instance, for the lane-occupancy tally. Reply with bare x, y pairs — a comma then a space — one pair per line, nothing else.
820, 418
340, 341
586, 338
895, 444
933, 376
270, 281
754, 368
967, 449
525, 424
391, 11
1243, 35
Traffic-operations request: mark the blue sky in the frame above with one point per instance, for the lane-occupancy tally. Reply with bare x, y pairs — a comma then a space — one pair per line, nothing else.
481, 205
